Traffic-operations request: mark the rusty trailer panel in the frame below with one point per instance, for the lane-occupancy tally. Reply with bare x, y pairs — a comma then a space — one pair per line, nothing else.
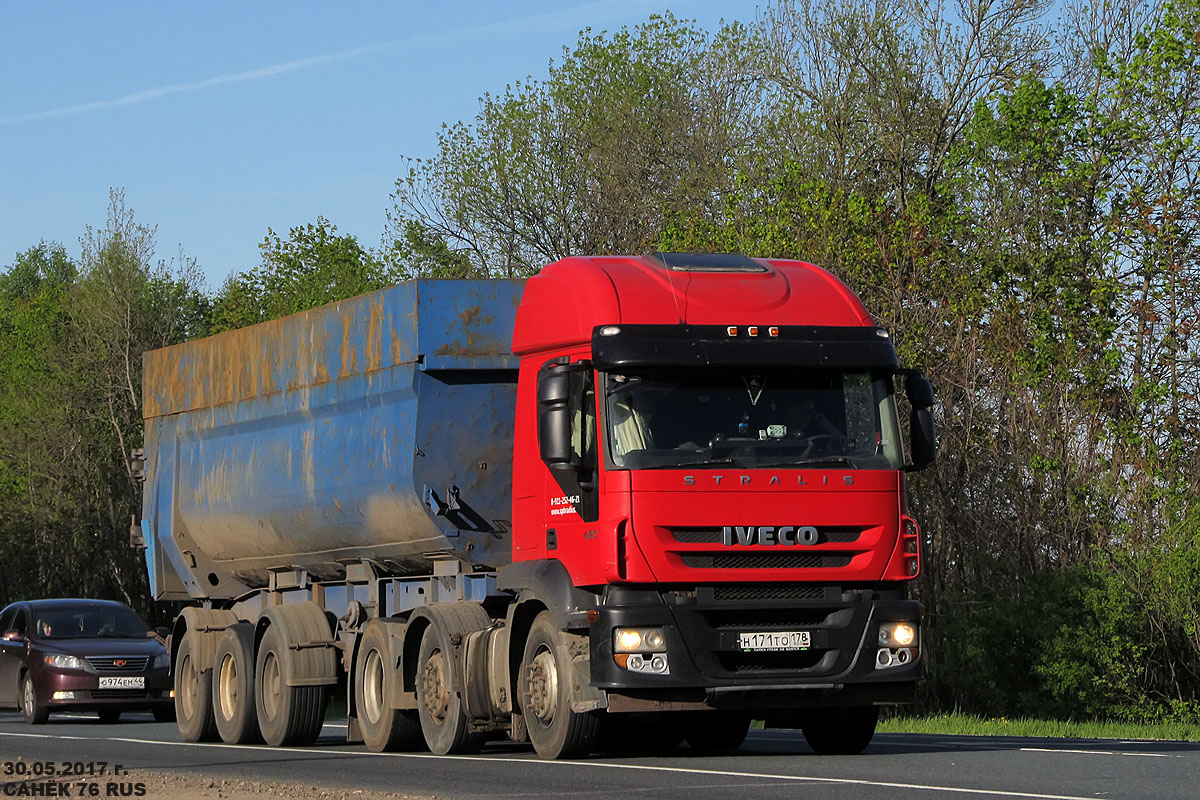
375, 428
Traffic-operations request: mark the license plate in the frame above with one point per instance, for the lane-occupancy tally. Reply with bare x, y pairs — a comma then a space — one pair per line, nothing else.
775, 640
138, 682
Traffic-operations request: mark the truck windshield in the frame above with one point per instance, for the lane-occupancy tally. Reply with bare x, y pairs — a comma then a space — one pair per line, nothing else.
662, 418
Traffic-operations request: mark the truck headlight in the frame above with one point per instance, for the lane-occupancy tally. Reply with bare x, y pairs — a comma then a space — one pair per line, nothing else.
639, 640
897, 634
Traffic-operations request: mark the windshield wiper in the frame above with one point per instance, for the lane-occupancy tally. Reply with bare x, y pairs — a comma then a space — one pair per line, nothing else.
809, 462
702, 462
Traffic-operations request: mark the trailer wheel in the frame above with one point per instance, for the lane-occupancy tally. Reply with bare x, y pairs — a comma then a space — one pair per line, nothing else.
193, 695
233, 686
554, 728
383, 728
439, 707
714, 733
287, 715
843, 731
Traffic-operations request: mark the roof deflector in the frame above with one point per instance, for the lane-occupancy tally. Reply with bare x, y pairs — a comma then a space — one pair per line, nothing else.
708, 262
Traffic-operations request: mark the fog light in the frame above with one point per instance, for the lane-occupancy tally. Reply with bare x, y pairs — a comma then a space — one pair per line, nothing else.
883, 658
65, 696
658, 664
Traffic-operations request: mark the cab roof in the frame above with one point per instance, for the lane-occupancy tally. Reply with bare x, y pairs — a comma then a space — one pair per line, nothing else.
564, 302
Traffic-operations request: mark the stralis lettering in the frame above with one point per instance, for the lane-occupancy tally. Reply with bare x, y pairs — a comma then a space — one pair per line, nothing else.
747, 480
786, 535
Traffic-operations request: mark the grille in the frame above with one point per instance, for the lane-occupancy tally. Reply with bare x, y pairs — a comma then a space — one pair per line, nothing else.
768, 592
128, 694
771, 662
766, 560
710, 535
107, 664
767, 619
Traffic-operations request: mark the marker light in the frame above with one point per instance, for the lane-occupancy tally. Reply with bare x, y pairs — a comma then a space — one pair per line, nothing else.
752, 330
731, 330
610, 330
773, 330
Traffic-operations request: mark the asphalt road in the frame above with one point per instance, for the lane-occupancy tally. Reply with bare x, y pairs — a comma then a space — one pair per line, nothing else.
772, 764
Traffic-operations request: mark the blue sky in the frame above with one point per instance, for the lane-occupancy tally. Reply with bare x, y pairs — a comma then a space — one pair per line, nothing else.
221, 119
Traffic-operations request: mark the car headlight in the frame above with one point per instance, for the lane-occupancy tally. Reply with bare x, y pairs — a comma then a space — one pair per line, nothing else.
161, 660
63, 661
639, 640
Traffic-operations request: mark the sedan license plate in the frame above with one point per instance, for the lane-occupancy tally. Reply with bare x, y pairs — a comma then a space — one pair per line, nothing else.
138, 682
774, 640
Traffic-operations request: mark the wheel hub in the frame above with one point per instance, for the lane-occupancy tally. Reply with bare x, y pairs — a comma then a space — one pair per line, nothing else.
542, 680
434, 693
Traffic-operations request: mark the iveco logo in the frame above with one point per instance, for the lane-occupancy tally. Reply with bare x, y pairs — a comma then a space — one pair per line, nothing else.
786, 535
119, 662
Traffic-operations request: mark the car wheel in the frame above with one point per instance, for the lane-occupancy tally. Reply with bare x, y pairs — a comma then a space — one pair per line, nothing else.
34, 711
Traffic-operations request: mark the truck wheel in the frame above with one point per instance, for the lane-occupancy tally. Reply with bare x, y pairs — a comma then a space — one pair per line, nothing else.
233, 686
383, 728
438, 706
287, 715
544, 690
842, 731
716, 733
193, 696
35, 713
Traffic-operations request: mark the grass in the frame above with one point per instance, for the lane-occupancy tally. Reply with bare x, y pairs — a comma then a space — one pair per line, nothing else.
965, 725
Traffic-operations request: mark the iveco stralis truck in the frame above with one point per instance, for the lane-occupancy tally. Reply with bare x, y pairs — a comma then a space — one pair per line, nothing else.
631, 498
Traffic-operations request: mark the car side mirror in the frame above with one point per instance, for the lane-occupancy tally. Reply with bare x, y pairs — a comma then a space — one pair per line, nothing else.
13, 636
161, 632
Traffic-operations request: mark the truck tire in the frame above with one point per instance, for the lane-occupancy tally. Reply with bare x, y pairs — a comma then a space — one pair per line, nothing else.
439, 707
193, 695
383, 728
843, 731
35, 712
717, 734
233, 703
544, 691
287, 715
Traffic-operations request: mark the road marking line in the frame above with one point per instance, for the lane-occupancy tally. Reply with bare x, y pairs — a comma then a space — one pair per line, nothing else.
1098, 752
596, 764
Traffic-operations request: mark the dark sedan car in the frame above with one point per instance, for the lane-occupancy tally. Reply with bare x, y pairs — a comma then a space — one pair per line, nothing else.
86, 655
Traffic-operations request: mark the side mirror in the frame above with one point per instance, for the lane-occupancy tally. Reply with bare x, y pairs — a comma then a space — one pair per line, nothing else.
12, 636
923, 444
554, 415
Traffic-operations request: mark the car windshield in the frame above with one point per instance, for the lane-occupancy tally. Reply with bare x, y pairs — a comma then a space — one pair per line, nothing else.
88, 622
664, 418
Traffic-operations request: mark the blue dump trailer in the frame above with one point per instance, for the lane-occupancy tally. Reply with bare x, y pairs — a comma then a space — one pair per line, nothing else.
376, 428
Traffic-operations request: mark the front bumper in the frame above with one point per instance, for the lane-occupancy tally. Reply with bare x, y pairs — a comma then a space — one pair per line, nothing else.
88, 696
708, 669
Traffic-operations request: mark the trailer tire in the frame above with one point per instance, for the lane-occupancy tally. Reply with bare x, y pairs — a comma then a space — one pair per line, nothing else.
439, 707
715, 733
841, 731
383, 727
556, 730
233, 703
287, 715
193, 695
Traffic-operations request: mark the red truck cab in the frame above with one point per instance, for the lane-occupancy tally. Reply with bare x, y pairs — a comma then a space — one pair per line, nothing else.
708, 464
